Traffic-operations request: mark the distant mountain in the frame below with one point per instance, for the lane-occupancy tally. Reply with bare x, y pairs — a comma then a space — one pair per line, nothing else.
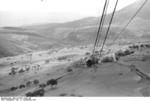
83, 31
78, 32
61, 30
128, 11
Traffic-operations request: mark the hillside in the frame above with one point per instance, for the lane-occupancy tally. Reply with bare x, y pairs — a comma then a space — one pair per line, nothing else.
142, 18
80, 32
7, 48
86, 28
17, 40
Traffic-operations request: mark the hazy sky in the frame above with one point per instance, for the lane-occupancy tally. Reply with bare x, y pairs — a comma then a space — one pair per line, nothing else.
20, 12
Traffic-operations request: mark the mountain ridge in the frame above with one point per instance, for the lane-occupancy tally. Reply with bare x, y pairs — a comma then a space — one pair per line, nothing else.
83, 31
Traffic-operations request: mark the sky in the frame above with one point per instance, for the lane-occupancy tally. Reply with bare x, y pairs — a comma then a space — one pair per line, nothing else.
24, 12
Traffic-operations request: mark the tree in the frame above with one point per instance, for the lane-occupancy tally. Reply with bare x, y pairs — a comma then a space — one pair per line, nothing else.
52, 82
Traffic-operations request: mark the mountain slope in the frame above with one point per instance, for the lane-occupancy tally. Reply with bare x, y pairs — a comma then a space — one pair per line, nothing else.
82, 31
7, 48
86, 28
17, 40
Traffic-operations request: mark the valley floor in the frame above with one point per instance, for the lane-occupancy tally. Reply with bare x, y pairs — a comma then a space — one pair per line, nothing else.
109, 79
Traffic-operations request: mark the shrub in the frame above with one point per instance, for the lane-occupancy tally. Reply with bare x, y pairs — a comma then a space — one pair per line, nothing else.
52, 82
91, 61
130, 47
97, 52
13, 88
22, 86
63, 94
47, 61
21, 71
87, 53
142, 45
39, 92
125, 53
119, 53
29, 94
36, 82
42, 85
120, 74
107, 59
62, 58
117, 57
27, 69
9, 73
28, 83
147, 45
69, 70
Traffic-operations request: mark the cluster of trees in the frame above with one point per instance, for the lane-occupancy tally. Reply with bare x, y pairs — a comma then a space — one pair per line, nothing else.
134, 47
17, 87
14, 71
121, 53
126, 52
111, 58
139, 46
28, 84
51, 82
39, 92
89, 60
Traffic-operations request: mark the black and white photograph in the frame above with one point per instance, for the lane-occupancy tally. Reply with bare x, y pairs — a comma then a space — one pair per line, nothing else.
74, 48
